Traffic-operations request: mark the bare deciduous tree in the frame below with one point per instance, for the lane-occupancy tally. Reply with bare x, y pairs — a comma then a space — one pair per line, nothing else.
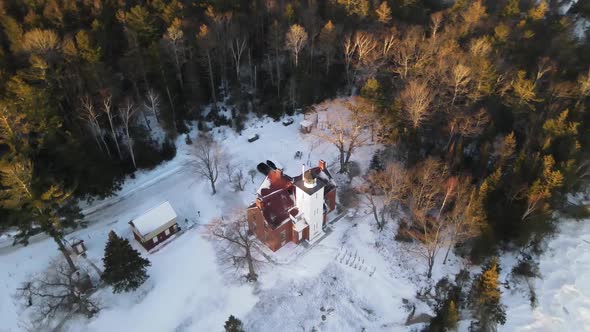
90, 115
295, 40
416, 99
328, 39
346, 135
466, 124
107, 109
465, 220
367, 54
153, 103
364, 43
229, 169
237, 247
425, 200
207, 44
406, 51
209, 159
348, 49
237, 46
435, 23
126, 112
383, 189
240, 179
252, 174
58, 290
459, 79
175, 42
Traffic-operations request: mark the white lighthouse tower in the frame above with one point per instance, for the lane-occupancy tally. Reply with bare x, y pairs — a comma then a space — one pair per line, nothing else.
310, 202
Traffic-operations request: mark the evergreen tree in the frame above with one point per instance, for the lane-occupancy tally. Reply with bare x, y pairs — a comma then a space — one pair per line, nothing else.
485, 299
376, 162
452, 315
124, 268
233, 325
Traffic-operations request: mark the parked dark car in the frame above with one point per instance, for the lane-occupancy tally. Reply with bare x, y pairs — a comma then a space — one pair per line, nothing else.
287, 121
253, 138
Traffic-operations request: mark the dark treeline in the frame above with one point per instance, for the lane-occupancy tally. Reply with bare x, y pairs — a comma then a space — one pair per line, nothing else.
490, 95
92, 90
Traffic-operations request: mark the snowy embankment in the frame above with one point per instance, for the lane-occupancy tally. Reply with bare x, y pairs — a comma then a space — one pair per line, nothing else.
563, 291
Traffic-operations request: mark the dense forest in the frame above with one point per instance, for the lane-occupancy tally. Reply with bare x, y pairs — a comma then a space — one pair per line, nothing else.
481, 101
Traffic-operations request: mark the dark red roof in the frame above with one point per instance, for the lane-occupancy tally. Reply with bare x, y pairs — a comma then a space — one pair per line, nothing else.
275, 207
278, 180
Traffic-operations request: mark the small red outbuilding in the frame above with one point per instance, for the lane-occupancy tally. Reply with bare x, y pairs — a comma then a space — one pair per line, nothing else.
155, 226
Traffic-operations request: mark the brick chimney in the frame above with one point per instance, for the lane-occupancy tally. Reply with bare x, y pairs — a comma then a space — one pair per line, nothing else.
259, 202
322, 165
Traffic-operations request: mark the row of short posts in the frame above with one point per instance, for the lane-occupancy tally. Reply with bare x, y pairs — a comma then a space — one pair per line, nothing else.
354, 261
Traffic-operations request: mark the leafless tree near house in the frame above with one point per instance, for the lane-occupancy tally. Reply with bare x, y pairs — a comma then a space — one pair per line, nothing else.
424, 201
126, 112
252, 173
346, 135
209, 159
91, 116
229, 168
240, 179
58, 290
383, 189
237, 247
108, 110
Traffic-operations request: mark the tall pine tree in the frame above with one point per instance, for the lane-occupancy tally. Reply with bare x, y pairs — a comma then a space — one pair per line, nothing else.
233, 324
485, 299
124, 268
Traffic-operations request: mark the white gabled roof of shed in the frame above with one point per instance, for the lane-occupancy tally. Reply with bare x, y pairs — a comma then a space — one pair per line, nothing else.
154, 218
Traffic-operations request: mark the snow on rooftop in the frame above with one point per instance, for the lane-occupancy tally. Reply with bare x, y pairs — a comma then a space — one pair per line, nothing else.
306, 123
265, 185
154, 218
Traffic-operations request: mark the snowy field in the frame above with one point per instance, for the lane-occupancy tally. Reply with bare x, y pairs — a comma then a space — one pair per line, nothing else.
346, 282
563, 290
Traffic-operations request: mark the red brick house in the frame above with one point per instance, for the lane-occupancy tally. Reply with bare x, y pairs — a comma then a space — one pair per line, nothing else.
292, 209
155, 226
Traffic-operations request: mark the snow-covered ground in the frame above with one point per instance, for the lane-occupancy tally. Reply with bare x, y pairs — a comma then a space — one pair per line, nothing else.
563, 291
355, 278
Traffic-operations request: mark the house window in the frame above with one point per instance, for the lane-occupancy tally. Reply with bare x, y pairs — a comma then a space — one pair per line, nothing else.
283, 235
155, 239
254, 227
167, 232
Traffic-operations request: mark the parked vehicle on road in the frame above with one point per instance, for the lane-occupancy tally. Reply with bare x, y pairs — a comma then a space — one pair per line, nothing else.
253, 137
